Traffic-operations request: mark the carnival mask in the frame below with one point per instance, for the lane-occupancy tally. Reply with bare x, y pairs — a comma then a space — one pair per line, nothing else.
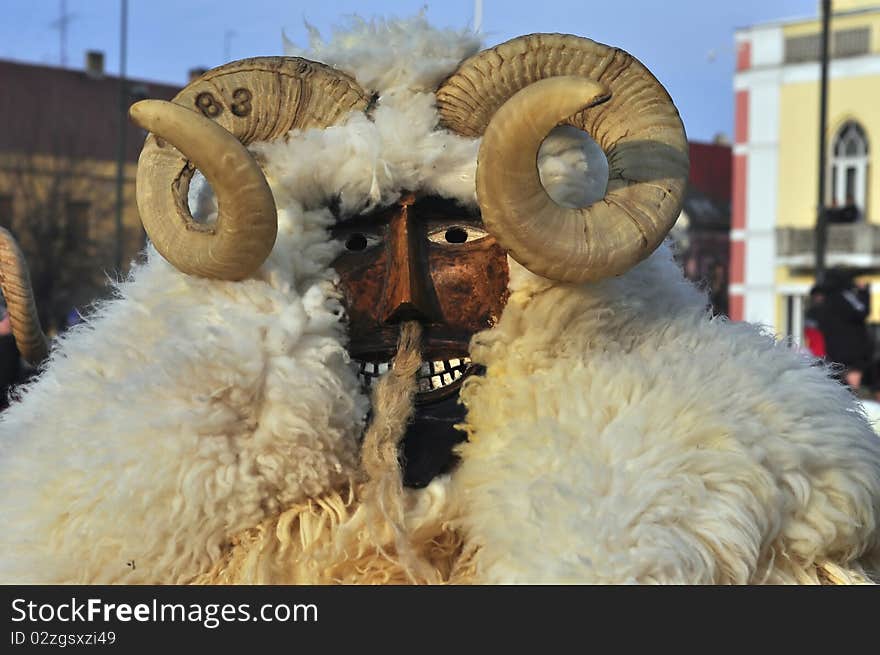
424, 258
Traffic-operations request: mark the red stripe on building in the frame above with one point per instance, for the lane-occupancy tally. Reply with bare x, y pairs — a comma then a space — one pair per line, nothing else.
738, 200
743, 55
737, 262
736, 305
741, 118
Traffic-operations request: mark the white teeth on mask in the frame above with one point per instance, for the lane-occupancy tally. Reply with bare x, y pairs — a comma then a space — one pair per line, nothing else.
431, 376
441, 373
367, 372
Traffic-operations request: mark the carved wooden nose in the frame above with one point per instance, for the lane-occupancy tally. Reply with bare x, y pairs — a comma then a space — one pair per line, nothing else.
407, 296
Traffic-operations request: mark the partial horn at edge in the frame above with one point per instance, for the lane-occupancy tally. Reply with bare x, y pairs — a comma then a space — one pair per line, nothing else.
15, 282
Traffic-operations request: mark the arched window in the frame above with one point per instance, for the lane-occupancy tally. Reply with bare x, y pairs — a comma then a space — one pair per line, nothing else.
849, 167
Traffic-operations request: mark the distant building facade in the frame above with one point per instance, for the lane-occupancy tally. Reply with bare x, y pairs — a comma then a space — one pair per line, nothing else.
776, 162
59, 147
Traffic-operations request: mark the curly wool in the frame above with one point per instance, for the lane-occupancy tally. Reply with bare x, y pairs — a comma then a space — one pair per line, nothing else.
407, 55
334, 539
634, 439
187, 410
205, 430
182, 412
608, 471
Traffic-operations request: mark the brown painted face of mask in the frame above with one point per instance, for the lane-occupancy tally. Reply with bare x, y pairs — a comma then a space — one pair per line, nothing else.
424, 259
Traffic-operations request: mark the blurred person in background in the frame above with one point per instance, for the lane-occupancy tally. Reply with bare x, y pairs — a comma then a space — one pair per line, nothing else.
814, 339
842, 322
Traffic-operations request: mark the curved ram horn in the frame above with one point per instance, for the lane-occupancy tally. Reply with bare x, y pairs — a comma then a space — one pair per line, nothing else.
227, 108
15, 282
638, 128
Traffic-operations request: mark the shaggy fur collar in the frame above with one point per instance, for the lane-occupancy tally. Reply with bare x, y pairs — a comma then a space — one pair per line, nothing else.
618, 435
629, 437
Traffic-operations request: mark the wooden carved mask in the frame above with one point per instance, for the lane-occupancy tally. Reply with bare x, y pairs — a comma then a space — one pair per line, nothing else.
424, 259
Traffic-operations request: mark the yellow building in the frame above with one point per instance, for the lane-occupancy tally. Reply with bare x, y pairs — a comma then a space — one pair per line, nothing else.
59, 147
776, 161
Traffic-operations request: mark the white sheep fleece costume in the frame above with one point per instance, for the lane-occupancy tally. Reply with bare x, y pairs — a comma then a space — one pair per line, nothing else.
619, 435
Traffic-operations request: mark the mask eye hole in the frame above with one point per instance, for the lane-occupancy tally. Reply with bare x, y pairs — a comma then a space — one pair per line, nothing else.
356, 242
456, 234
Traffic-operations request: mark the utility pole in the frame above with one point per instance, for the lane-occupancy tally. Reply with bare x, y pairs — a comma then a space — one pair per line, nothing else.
61, 25
227, 45
123, 125
822, 217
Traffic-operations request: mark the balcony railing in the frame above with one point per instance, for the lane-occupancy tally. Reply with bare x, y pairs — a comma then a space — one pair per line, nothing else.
851, 244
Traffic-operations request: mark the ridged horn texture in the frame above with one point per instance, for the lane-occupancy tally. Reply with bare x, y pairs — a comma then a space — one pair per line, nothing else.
206, 127
638, 128
15, 282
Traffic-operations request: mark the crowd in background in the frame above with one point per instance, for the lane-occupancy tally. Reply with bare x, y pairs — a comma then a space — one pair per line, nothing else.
836, 329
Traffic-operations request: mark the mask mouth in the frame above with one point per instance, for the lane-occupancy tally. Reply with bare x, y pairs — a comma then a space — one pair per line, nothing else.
436, 378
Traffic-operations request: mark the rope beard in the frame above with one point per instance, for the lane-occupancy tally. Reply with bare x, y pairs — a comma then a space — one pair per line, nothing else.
361, 534
393, 401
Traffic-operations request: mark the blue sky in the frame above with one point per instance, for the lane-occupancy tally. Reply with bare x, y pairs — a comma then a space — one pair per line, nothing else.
688, 44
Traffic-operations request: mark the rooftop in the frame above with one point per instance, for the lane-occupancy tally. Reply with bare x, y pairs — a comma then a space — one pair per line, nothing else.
871, 9
67, 112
